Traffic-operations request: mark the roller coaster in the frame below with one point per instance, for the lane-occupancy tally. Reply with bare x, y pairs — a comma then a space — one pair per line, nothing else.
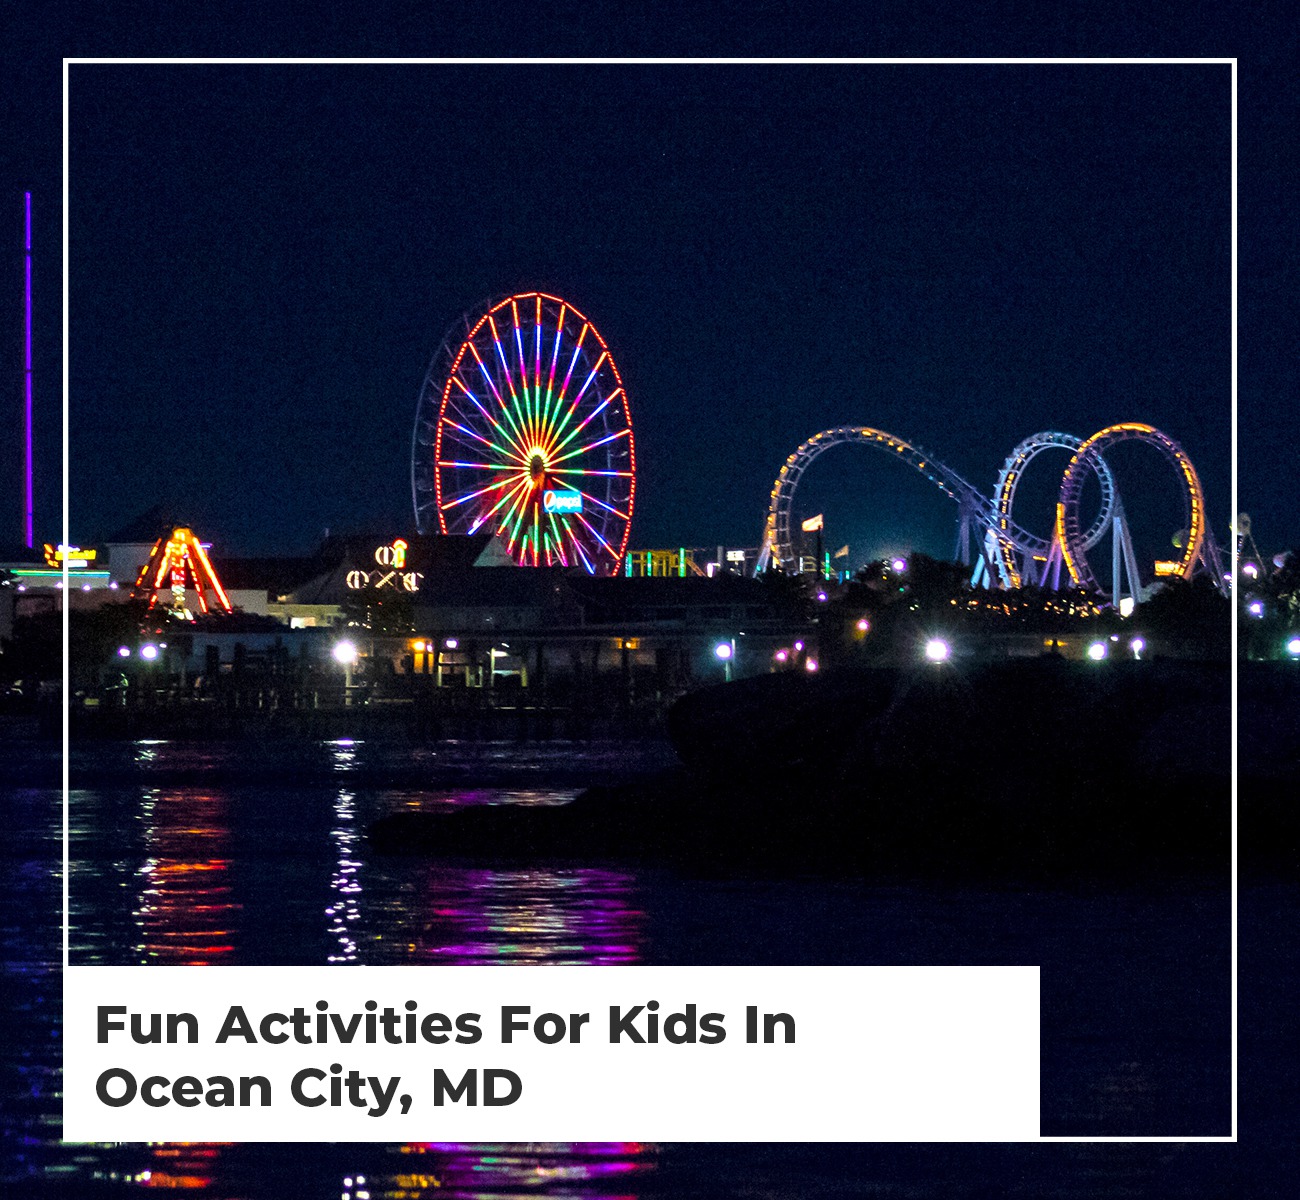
1002, 552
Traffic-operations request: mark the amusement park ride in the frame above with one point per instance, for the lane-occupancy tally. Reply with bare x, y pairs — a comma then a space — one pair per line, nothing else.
523, 427
178, 563
1010, 555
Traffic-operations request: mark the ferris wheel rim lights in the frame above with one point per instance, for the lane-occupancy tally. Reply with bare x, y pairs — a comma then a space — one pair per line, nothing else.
532, 438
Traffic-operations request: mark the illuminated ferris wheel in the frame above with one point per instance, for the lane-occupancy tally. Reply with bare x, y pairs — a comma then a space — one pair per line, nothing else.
523, 429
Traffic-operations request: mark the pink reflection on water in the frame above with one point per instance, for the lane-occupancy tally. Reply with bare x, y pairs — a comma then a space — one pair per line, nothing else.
498, 1171
556, 916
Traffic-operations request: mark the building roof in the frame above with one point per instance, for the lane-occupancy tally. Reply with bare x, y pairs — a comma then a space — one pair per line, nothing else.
500, 587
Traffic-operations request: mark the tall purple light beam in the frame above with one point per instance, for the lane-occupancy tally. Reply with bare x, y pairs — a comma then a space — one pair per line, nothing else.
29, 524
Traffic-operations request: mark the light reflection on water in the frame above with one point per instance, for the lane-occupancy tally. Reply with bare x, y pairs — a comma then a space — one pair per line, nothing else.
573, 916
185, 914
202, 870
191, 855
500, 1171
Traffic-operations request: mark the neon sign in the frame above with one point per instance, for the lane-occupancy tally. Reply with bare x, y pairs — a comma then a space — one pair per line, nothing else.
75, 556
555, 501
392, 556
398, 580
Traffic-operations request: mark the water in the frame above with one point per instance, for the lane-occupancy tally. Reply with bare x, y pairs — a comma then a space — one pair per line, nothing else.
252, 853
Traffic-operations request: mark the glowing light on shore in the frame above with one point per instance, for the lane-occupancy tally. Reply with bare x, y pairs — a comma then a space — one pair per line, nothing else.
937, 650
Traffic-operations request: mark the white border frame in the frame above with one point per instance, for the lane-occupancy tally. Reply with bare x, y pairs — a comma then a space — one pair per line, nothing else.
675, 61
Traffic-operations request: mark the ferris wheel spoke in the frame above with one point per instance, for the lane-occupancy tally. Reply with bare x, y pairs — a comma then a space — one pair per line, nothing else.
517, 511
478, 437
582, 391
457, 501
593, 445
558, 538
487, 375
517, 435
512, 502
577, 545
596, 534
591, 416
573, 361
550, 378
589, 471
520, 485
601, 504
490, 424
501, 358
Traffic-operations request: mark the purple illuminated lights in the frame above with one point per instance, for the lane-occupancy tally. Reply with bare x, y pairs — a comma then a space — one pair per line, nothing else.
28, 506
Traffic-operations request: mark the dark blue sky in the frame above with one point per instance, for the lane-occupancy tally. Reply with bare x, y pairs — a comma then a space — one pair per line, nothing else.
265, 258
766, 256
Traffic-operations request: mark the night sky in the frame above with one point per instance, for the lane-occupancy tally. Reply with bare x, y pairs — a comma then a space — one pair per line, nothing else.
265, 258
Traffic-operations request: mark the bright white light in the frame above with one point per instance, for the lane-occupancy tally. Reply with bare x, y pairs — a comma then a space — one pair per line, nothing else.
1250, 571
1126, 606
781, 655
149, 652
1137, 645
345, 653
451, 643
810, 665
899, 564
937, 650
863, 624
821, 596
723, 650
798, 645
85, 587
124, 651
1097, 651
1293, 647
1255, 608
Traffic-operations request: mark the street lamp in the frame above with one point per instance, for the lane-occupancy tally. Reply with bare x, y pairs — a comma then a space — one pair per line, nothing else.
346, 653
937, 650
725, 651
1097, 651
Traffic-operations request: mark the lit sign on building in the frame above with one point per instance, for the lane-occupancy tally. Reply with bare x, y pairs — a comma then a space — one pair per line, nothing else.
397, 577
75, 556
561, 502
399, 580
1168, 568
392, 556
